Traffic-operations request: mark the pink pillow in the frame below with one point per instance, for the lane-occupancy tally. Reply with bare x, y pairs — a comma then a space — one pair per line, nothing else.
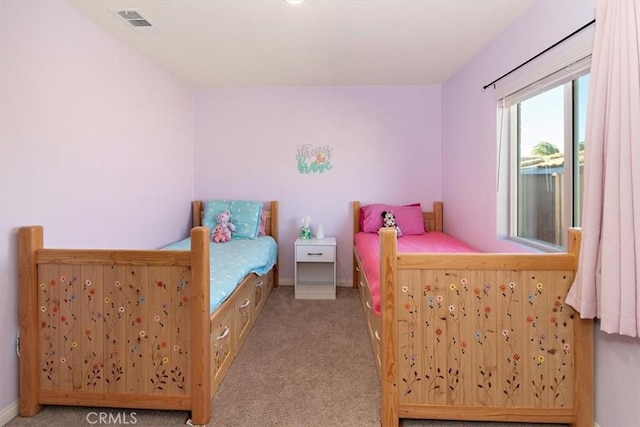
375, 209
408, 217
372, 217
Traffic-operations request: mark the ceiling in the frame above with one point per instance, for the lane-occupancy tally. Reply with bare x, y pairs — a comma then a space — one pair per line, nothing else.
268, 43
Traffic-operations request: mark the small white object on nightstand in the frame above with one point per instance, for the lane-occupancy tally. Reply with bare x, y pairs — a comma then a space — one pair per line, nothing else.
315, 268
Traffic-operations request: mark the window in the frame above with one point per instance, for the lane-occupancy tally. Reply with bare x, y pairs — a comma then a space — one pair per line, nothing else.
546, 128
542, 109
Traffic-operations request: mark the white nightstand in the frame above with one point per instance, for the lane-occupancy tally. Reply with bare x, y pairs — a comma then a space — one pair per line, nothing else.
315, 268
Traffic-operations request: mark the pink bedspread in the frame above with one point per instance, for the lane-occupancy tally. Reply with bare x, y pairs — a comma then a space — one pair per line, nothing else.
367, 247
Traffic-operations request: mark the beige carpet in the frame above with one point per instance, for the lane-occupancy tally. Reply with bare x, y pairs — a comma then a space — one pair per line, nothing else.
306, 363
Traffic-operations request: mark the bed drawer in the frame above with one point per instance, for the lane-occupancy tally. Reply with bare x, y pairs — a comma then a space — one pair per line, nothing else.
366, 299
222, 345
262, 286
376, 332
244, 312
315, 253
258, 284
373, 322
363, 288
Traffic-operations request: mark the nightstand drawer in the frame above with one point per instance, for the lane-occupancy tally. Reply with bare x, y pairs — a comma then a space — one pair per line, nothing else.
315, 253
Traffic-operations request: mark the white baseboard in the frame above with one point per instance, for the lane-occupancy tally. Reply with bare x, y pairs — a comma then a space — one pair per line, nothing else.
289, 282
595, 424
285, 282
10, 412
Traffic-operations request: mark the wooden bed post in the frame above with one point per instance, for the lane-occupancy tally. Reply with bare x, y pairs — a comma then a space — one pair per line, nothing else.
388, 306
438, 216
356, 229
196, 213
200, 329
30, 239
274, 234
584, 348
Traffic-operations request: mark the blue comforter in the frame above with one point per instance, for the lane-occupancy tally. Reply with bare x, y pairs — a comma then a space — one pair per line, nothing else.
230, 262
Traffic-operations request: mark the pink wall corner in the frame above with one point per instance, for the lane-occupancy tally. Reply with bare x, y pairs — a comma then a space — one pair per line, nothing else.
385, 146
96, 145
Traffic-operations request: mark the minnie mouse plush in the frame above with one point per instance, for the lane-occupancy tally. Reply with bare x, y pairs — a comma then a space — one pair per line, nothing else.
389, 221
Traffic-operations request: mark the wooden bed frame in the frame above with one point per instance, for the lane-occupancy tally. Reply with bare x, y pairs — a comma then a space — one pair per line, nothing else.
484, 337
129, 328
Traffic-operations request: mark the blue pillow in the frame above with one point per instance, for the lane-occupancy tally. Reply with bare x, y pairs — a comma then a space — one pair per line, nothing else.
213, 208
245, 215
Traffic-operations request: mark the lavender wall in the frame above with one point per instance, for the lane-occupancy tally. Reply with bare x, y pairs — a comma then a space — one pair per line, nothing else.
385, 147
96, 145
469, 153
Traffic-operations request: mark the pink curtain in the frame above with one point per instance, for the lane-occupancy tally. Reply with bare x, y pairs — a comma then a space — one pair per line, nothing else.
607, 284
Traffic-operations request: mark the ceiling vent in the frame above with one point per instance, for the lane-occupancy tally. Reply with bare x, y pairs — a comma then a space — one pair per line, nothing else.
137, 21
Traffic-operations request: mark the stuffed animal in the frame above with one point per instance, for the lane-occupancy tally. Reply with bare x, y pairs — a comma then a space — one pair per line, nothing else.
219, 235
223, 228
389, 221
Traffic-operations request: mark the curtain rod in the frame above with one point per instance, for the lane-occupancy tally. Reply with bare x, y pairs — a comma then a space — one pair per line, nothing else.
534, 57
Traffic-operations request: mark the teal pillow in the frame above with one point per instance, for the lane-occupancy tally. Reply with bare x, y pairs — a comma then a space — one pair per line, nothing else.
213, 208
245, 215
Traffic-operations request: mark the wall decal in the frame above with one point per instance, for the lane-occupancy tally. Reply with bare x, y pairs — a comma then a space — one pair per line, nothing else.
313, 159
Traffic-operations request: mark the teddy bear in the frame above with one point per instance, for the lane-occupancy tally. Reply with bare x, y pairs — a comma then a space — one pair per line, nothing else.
389, 220
219, 235
223, 228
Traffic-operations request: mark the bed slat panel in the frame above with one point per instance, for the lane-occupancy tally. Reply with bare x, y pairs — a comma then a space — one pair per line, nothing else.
510, 313
70, 369
158, 333
115, 400
92, 329
113, 257
485, 338
48, 303
498, 414
113, 313
113, 329
564, 336
485, 261
482, 298
178, 349
137, 379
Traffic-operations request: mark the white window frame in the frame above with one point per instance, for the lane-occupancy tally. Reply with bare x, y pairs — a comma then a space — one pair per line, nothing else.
562, 64
569, 159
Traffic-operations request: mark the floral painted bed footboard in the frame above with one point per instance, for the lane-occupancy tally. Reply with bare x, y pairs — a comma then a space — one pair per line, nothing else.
115, 328
495, 341
138, 317
483, 337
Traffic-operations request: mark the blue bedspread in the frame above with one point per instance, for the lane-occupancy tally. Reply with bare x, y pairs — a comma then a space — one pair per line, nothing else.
230, 262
